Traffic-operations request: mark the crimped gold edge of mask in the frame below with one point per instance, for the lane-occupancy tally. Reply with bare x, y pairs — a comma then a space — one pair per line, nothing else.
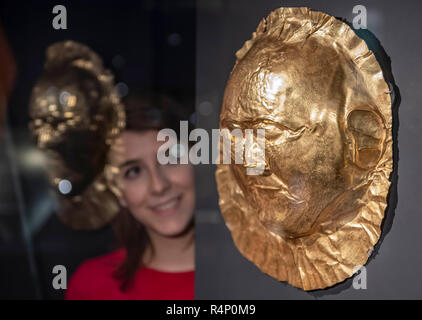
319, 260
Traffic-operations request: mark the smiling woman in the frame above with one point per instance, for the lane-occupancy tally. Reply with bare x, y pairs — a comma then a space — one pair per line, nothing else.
155, 229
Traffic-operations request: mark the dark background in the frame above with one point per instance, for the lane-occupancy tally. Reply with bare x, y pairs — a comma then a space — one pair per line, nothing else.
146, 44
394, 270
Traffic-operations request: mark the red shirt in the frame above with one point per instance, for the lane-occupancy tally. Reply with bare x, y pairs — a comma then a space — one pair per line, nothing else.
93, 280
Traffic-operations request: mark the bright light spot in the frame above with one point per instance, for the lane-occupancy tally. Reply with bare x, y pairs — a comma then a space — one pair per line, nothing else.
64, 96
205, 108
122, 89
322, 115
275, 85
314, 113
65, 186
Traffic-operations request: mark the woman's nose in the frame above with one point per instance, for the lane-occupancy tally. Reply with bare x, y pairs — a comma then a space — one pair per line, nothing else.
159, 181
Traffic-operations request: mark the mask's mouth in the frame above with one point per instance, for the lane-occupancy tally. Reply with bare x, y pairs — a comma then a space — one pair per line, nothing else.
281, 190
278, 186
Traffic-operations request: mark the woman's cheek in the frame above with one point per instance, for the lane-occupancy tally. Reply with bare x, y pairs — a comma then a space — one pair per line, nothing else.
135, 193
184, 179
181, 175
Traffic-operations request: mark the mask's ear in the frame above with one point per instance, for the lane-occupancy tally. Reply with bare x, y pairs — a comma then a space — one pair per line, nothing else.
367, 133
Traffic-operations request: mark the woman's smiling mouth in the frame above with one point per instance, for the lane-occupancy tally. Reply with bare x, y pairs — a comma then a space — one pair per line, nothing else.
167, 207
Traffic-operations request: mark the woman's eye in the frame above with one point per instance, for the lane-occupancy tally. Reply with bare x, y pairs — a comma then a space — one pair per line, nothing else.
132, 173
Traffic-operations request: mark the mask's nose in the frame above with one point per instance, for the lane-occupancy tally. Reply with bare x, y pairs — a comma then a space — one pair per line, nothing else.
255, 160
267, 169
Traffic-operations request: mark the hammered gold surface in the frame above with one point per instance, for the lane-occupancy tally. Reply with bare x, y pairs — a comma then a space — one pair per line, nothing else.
76, 116
314, 215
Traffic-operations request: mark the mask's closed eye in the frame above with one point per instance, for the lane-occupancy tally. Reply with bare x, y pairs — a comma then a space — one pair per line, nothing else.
276, 133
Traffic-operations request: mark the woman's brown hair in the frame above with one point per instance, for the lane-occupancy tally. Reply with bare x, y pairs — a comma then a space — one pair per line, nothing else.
144, 111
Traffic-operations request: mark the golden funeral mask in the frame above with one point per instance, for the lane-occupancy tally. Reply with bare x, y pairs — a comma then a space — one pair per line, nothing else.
314, 214
75, 117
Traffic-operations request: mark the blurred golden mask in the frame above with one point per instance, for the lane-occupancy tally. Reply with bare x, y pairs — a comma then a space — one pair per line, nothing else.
314, 214
75, 117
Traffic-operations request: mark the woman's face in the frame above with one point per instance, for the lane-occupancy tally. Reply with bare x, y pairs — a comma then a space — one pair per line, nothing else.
161, 197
